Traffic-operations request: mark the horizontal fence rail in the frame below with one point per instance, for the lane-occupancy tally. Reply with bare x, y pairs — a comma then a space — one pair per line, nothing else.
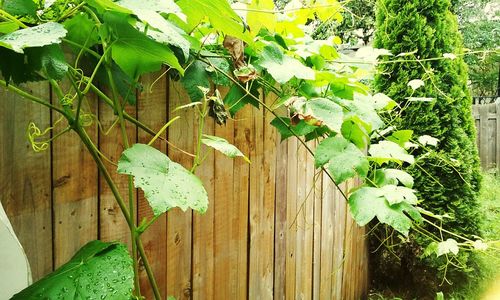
487, 118
275, 229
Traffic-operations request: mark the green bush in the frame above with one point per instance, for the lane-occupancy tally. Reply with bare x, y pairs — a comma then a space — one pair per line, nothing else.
447, 178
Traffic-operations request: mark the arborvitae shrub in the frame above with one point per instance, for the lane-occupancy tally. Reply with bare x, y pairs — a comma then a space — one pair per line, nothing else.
448, 178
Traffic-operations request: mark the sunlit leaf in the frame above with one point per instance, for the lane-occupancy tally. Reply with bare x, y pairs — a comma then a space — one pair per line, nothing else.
19, 7
393, 176
37, 36
367, 203
386, 151
223, 146
97, 271
166, 184
446, 247
342, 159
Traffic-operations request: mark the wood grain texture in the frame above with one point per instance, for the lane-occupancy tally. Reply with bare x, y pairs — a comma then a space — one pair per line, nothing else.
152, 111
179, 223
273, 229
112, 223
75, 187
25, 185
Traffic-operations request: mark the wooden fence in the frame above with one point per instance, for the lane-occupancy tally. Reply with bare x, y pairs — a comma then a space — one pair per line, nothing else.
275, 228
487, 118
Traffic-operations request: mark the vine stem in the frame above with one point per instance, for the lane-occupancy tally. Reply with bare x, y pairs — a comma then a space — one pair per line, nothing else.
280, 119
201, 123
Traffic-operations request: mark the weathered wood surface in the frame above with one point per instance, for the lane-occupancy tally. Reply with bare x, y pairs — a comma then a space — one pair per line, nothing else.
487, 118
275, 229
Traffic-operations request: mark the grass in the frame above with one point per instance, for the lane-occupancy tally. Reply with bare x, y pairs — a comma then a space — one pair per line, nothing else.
485, 286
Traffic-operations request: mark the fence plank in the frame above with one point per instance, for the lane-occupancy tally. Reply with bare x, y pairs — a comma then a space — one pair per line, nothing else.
203, 228
483, 128
152, 112
179, 223
497, 141
291, 230
112, 224
75, 188
25, 188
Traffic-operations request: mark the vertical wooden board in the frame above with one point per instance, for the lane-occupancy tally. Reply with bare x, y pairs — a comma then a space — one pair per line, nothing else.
75, 188
347, 276
280, 226
179, 223
241, 184
497, 138
300, 222
291, 212
152, 112
318, 196
241, 176
328, 230
483, 146
305, 223
339, 235
25, 188
227, 284
262, 193
203, 228
112, 223
491, 136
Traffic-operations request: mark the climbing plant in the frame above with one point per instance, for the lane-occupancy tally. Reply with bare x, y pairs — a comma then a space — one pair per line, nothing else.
254, 49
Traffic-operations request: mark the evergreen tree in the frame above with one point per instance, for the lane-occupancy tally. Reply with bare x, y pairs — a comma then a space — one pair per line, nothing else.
447, 178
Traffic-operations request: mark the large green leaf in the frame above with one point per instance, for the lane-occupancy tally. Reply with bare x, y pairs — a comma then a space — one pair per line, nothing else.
148, 11
134, 52
326, 111
362, 107
223, 146
97, 271
387, 151
367, 203
81, 30
392, 176
220, 14
357, 131
19, 7
283, 67
195, 76
342, 159
300, 129
166, 184
38, 36
236, 98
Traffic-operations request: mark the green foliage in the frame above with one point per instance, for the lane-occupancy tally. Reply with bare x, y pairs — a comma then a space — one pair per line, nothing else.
223, 146
342, 159
166, 184
96, 271
447, 176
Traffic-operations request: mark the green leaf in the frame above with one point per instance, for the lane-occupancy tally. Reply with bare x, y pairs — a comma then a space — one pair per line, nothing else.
400, 137
222, 17
236, 98
38, 36
282, 67
166, 184
217, 77
387, 151
446, 247
367, 203
392, 176
342, 159
81, 30
124, 83
362, 107
195, 76
397, 194
19, 7
8, 27
148, 11
301, 128
98, 270
223, 146
134, 52
326, 111
356, 131
52, 61
107, 5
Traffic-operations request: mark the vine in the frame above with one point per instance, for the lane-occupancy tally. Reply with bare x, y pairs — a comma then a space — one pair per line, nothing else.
206, 43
